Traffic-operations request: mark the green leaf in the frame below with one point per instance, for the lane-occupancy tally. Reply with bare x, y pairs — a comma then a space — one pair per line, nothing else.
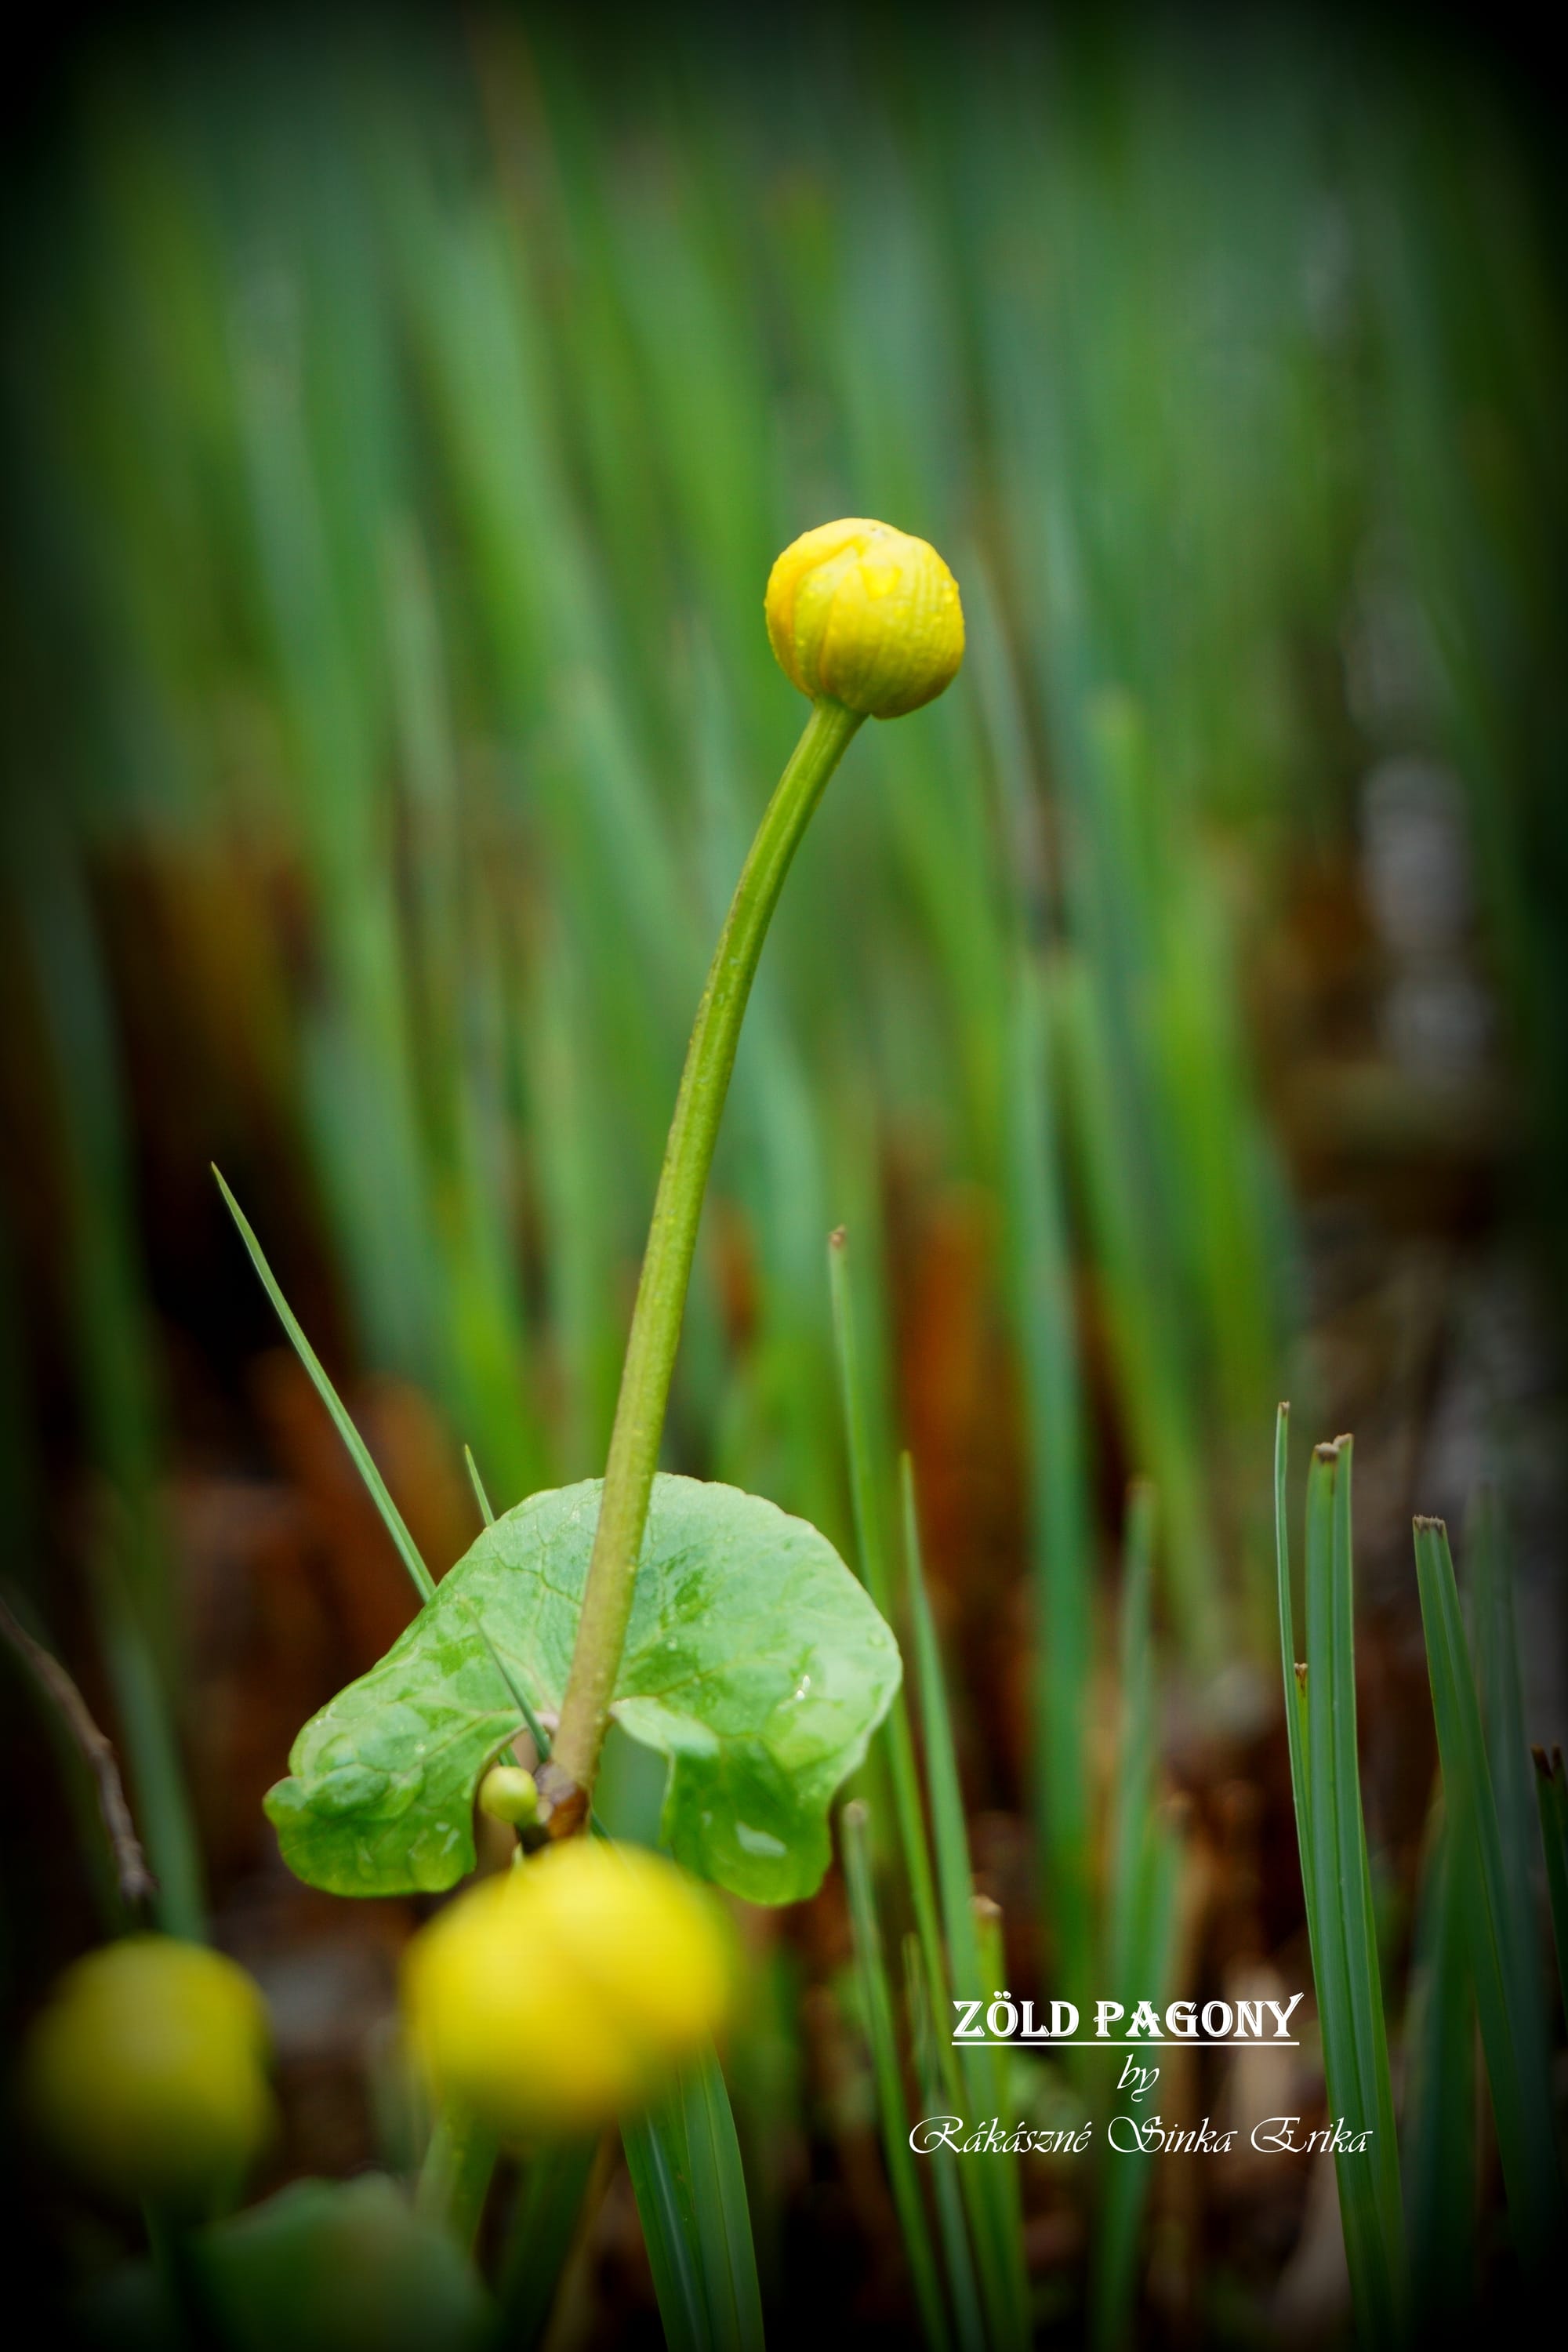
753, 1661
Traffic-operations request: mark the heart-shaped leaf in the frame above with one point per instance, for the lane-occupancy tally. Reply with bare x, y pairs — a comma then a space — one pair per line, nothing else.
753, 1661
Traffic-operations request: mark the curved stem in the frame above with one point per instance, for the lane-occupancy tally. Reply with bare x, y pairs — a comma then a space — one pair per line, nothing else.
565, 1781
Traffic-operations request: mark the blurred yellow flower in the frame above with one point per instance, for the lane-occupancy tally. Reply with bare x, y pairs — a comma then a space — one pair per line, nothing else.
146, 2071
866, 615
565, 1991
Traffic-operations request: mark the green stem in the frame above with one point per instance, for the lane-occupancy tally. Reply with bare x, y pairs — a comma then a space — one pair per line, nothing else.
455, 2178
567, 1781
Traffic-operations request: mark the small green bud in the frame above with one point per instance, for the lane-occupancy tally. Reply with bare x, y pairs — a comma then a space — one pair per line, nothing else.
508, 1794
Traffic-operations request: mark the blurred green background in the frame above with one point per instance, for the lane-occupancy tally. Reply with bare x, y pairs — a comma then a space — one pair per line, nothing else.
401, 417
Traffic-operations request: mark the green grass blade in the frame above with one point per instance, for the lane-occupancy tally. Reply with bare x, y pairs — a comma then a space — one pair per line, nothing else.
1551, 1797
1440, 2095
870, 1540
408, 1550
544, 2225
723, 2214
1344, 1957
891, 2105
1113, 2282
1132, 1823
515, 1691
455, 2178
990, 2188
1507, 1991
478, 1484
1145, 1868
943, 2164
1291, 1666
658, 2161
1501, 1700
1060, 1506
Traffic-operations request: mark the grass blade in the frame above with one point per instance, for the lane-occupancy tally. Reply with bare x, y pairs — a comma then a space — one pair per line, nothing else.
1293, 1669
545, 2224
1340, 1913
661, 2181
958, 2259
871, 1541
990, 2188
478, 1484
408, 1550
723, 2215
1440, 2094
1551, 1797
1507, 1993
1145, 1864
892, 2106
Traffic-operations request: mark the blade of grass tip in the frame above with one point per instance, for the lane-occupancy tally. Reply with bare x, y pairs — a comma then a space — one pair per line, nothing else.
957, 2257
1440, 2101
555, 2190
478, 1484
1003, 2277
870, 1542
1294, 1672
408, 1550
1507, 2000
1551, 1797
661, 2182
877, 2003
723, 2211
1342, 1951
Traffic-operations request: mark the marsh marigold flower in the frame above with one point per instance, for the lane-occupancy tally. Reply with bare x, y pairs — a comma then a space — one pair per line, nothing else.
566, 1991
866, 615
146, 2071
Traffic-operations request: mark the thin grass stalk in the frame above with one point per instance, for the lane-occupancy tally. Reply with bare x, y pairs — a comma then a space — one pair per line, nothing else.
1508, 2000
545, 2222
408, 1550
876, 1999
1344, 1955
958, 2260
1552, 1798
1496, 1648
1145, 1861
989, 2187
1059, 1504
898, 1739
455, 2178
1440, 2161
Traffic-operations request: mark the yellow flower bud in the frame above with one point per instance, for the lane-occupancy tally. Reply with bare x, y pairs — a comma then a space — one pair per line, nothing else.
146, 2071
510, 1794
552, 1997
866, 615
